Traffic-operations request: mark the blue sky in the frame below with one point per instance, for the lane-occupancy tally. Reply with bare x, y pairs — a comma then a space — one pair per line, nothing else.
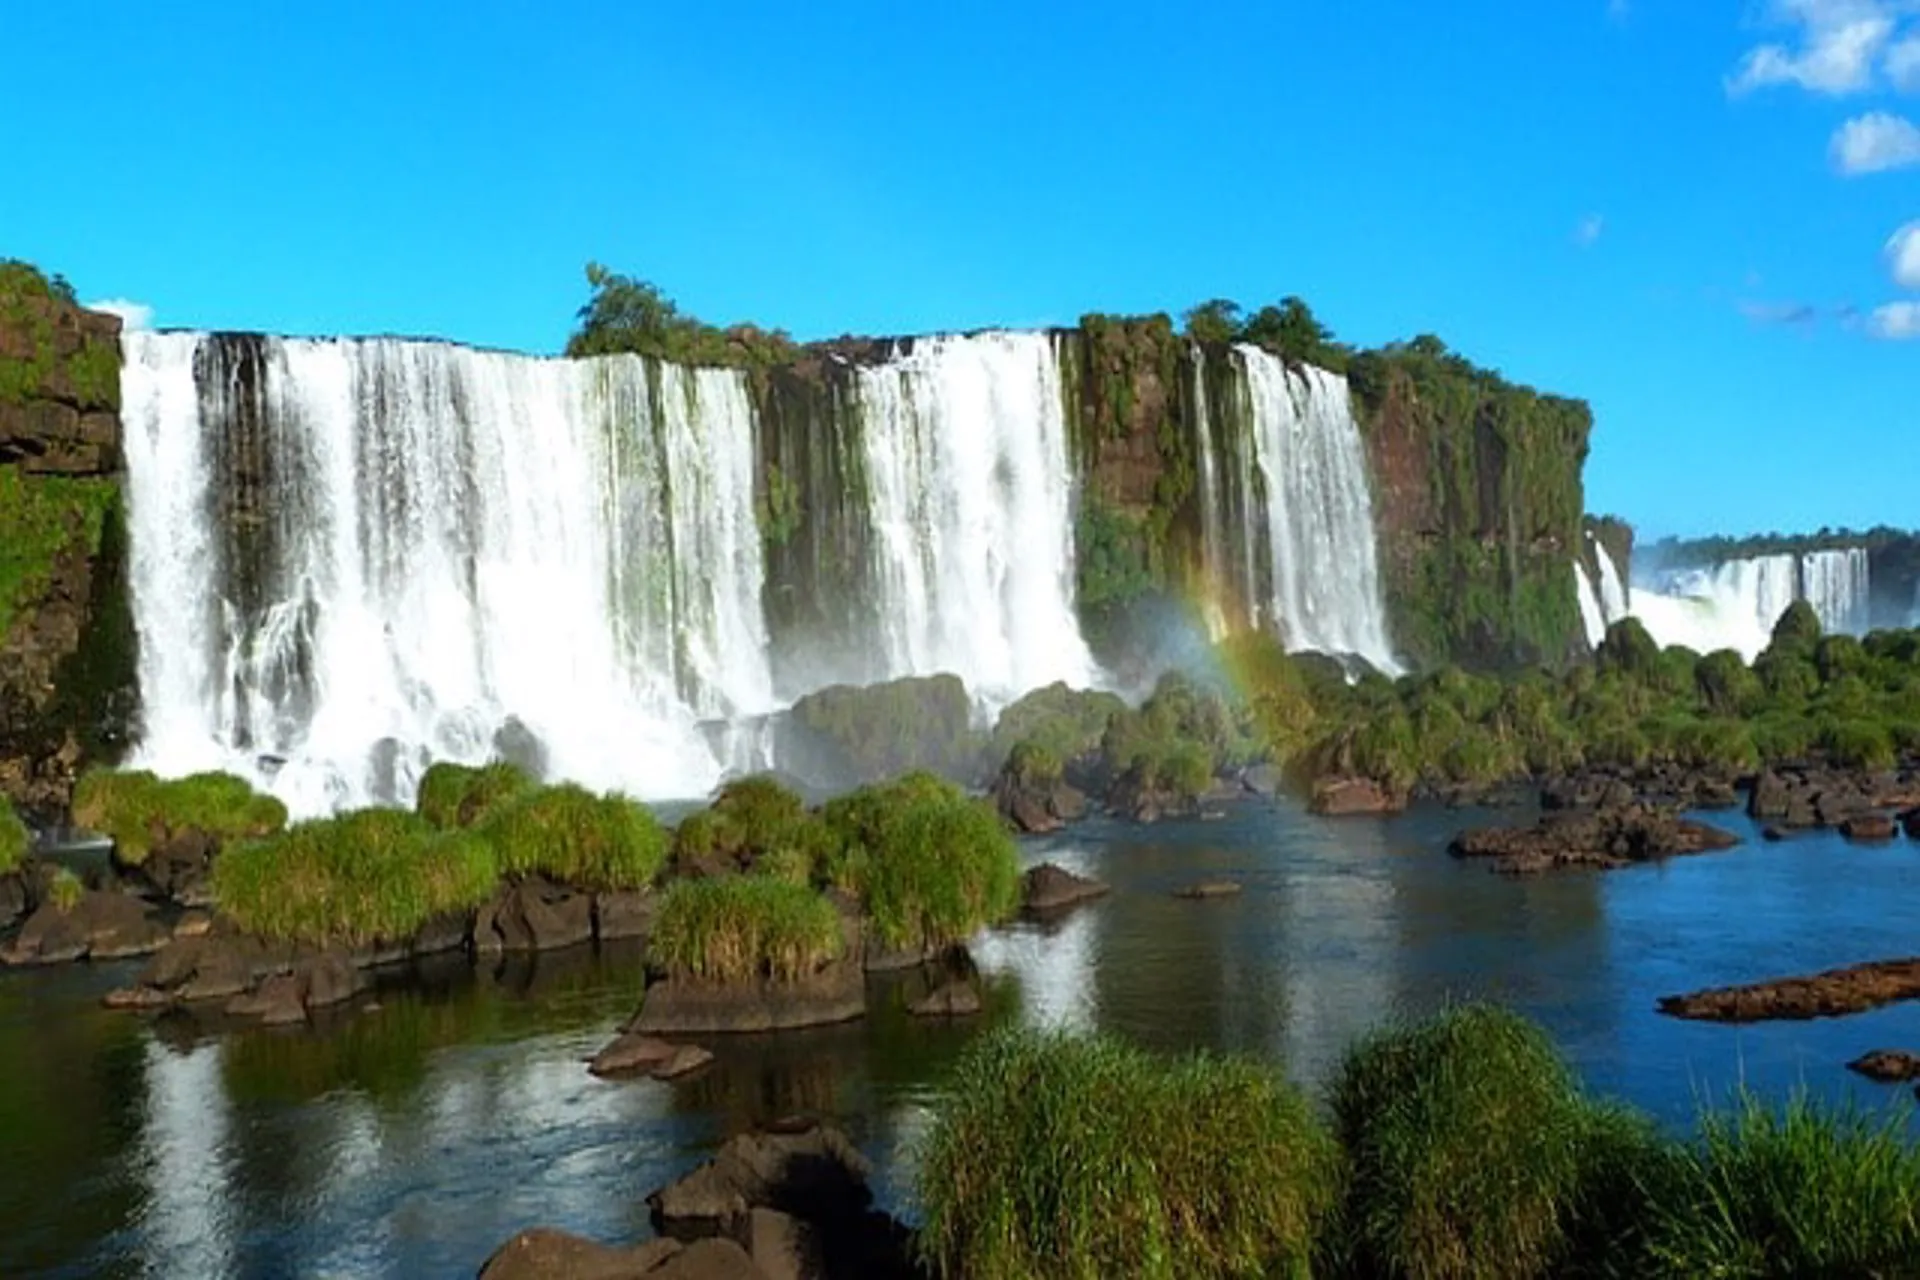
1648, 203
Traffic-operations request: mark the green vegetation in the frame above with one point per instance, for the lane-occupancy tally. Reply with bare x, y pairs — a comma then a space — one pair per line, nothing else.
884, 730
1085, 1159
378, 874
630, 315
65, 890
137, 810
43, 518
1700, 552
34, 306
1181, 737
735, 928
1062, 723
571, 835
457, 795
1458, 1147
755, 822
14, 838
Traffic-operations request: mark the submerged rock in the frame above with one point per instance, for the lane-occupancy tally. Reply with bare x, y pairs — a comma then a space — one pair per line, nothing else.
630, 1054
1831, 994
1888, 1066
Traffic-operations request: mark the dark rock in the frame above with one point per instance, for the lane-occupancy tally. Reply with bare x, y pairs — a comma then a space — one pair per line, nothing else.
814, 1173
683, 1061
1030, 814
1348, 797
1912, 824
1770, 797
442, 934
1823, 995
177, 868
328, 979
1068, 803
685, 1007
949, 1000
631, 1054
106, 926
15, 901
1263, 780
538, 915
877, 957
1876, 828
1208, 889
1715, 794
1049, 889
1605, 840
709, 1260
1775, 833
542, 1253
277, 1001
1887, 1066
1838, 805
623, 915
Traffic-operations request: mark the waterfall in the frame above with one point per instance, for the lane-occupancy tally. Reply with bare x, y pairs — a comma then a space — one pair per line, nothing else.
971, 507
1592, 617
1836, 584
351, 558
1324, 592
1614, 599
1735, 604
1602, 603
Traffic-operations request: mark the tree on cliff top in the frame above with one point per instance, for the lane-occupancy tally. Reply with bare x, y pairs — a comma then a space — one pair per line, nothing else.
626, 314
1215, 320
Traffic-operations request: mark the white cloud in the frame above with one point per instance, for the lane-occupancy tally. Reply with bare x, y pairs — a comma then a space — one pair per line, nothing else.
1903, 63
1876, 142
1903, 256
1841, 47
1896, 321
133, 315
1589, 230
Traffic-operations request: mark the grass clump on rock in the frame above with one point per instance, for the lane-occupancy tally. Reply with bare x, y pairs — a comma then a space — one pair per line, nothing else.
759, 823
737, 928
65, 890
1057, 1156
377, 874
932, 866
1798, 1191
457, 795
14, 838
138, 810
1472, 1150
578, 838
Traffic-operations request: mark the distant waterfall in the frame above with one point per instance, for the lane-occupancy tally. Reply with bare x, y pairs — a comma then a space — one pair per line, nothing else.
1836, 584
351, 558
1604, 602
1593, 619
971, 508
1324, 585
1736, 604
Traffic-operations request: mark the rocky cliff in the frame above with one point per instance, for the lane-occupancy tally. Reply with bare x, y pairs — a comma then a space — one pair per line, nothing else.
66, 632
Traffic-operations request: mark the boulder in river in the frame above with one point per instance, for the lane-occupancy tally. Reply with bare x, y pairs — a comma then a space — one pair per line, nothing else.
684, 1006
103, 926
1606, 840
1049, 889
1887, 1066
1869, 828
1831, 994
1349, 797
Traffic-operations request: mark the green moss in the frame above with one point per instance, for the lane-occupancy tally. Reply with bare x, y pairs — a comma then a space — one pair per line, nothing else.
573, 836
884, 730
1064, 723
42, 518
15, 839
374, 875
738, 928
138, 810
1055, 1156
456, 795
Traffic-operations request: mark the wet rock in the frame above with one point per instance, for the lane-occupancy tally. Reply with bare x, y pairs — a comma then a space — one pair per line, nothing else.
813, 1173
539, 915
277, 1001
15, 900
194, 924
542, 1253
105, 926
623, 915
631, 1054
1048, 889
1869, 828
1770, 795
1068, 803
781, 1245
709, 1260
683, 1061
1604, 840
1349, 797
177, 868
1715, 794
441, 934
685, 1007
328, 979
1912, 824
1831, 994
1887, 1066
1774, 833
1030, 814
1263, 780
949, 1000
1208, 889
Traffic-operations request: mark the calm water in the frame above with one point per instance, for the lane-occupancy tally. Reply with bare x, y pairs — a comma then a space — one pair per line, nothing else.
411, 1140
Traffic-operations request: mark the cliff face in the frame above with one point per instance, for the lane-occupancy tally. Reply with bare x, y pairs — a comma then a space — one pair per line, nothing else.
66, 630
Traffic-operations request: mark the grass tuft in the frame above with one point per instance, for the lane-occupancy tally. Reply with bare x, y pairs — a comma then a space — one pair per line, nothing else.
373, 875
738, 928
457, 795
576, 837
65, 890
1063, 1157
138, 810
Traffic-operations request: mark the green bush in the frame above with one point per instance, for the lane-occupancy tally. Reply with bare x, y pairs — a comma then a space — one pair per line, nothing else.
137, 810
64, 891
735, 928
937, 870
578, 838
378, 874
1032, 764
456, 795
1056, 1156
1858, 744
1466, 1136
1800, 1191
14, 838
1065, 723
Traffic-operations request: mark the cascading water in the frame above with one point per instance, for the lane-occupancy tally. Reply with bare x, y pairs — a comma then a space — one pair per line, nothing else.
971, 507
1836, 584
1602, 603
1735, 604
351, 558
1324, 592
1592, 618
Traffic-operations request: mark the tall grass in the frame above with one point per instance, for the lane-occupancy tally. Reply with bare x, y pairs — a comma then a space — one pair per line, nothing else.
1800, 1190
759, 822
378, 874
738, 928
457, 795
1060, 1157
14, 838
1467, 1135
577, 837
138, 810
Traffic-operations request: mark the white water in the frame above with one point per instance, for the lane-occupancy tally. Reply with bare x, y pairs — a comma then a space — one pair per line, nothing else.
972, 509
1735, 604
456, 539
1836, 584
1592, 617
1325, 592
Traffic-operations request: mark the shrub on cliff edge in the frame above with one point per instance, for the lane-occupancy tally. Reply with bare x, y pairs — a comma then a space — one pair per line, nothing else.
377, 874
1057, 1156
138, 810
